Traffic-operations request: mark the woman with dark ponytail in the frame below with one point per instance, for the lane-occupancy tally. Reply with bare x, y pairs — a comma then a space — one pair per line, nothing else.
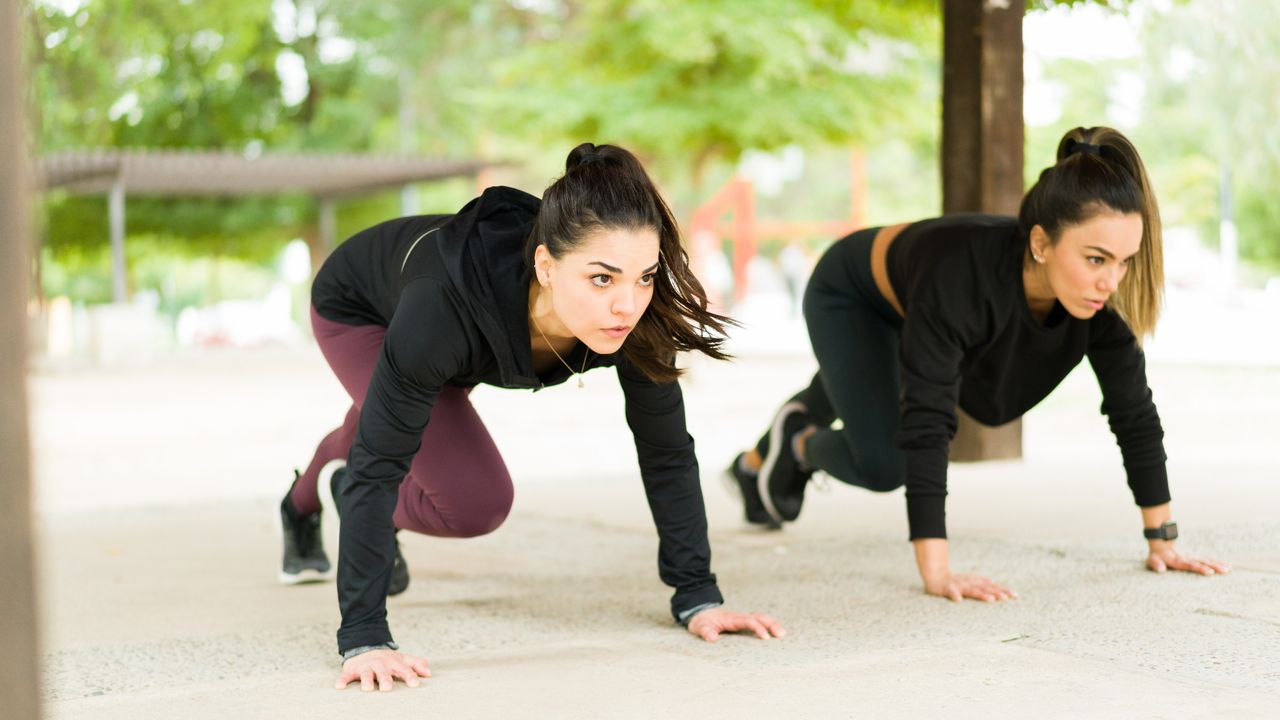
515, 292
987, 314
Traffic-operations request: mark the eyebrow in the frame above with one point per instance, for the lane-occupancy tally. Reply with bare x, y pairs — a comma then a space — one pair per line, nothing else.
1106, 252
611, 268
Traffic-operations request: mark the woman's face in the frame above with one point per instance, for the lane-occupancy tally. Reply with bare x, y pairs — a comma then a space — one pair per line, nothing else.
600, 290
1085, 267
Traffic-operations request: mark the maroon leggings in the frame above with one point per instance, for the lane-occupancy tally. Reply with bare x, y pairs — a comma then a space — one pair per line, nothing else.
457, 485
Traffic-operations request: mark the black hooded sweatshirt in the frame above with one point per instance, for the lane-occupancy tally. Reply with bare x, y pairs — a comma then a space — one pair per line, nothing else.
452, 291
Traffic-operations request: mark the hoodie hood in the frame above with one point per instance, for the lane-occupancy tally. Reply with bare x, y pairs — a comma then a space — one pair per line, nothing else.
483, 251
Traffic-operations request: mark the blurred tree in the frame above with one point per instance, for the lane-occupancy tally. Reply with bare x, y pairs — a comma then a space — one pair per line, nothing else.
696, 81
683, 83
1211, 101
217, 74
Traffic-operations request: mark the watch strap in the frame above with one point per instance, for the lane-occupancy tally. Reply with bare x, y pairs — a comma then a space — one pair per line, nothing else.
1166, 531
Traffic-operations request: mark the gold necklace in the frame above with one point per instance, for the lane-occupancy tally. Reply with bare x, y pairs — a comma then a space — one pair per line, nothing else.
568, 367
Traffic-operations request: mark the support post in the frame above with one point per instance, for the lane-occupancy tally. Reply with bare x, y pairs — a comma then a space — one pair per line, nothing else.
982, 149
19, 670
119, 270
409, 204
857, 188
328, 225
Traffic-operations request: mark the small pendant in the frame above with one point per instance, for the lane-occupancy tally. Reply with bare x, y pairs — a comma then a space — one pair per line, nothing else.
579, 382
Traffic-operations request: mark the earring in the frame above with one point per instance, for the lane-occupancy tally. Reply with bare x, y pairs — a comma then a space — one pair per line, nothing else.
1039, 258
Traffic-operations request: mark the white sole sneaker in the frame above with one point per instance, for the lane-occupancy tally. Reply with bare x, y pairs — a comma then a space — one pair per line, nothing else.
324, 488
305, 576
308, 575
777, 445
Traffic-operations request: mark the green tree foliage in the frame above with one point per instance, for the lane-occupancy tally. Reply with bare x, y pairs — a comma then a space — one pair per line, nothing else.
156, 74
198, 75
1213, 95
710, 79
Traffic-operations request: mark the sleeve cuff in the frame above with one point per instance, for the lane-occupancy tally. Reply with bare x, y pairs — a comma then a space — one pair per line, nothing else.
684, 617
683, 604
368, 637
347, 655
927, 516
1150, 485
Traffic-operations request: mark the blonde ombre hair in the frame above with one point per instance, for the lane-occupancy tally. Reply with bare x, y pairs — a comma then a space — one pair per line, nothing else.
1098, 170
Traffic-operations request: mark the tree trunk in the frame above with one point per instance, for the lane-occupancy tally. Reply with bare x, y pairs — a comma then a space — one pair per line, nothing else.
19, 671
982, 149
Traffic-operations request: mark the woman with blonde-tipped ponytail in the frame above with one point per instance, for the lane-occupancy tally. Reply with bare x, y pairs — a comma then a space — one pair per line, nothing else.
987, 314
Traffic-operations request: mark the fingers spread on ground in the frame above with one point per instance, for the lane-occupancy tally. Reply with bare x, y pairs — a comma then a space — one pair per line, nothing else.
758, 628
366, 680
385, 681
774, 626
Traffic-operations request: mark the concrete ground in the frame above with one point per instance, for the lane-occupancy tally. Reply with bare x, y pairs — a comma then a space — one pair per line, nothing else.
156, 487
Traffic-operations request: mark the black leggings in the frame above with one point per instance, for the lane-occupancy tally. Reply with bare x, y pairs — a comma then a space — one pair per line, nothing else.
854, 332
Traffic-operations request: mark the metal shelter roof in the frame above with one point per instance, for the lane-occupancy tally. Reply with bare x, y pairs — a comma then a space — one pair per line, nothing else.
216, 172
328, 176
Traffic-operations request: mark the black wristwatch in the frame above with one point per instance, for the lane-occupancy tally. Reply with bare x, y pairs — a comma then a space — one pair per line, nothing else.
1166, 531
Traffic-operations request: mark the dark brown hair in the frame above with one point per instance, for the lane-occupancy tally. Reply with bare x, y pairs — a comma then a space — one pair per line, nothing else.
1098, 170
604, 187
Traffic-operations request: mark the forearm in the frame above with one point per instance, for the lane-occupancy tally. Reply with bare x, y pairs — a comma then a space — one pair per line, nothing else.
932, 558
935, 571
684, 551
1154, 517
366, 542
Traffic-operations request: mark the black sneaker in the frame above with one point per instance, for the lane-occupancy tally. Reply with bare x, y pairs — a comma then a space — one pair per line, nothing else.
743, 484
399, 569
782, 478
304, 558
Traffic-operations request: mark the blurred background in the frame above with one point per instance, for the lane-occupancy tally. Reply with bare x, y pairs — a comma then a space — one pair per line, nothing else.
825, 116
198, 160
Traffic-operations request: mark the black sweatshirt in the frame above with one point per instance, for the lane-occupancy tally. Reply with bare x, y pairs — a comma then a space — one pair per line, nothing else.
968, 338
452, 291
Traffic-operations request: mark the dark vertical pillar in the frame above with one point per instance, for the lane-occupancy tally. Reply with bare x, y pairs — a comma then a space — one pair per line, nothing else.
982, 148
19, 674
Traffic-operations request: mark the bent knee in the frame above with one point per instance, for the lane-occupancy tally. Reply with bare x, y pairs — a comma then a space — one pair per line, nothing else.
886, 475
481, 520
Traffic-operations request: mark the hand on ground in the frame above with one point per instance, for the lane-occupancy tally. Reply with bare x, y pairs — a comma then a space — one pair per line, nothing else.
708, 624
384, 666
1167, 558
976, 587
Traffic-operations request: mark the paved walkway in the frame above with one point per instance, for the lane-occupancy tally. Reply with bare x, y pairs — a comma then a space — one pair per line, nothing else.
155, 489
